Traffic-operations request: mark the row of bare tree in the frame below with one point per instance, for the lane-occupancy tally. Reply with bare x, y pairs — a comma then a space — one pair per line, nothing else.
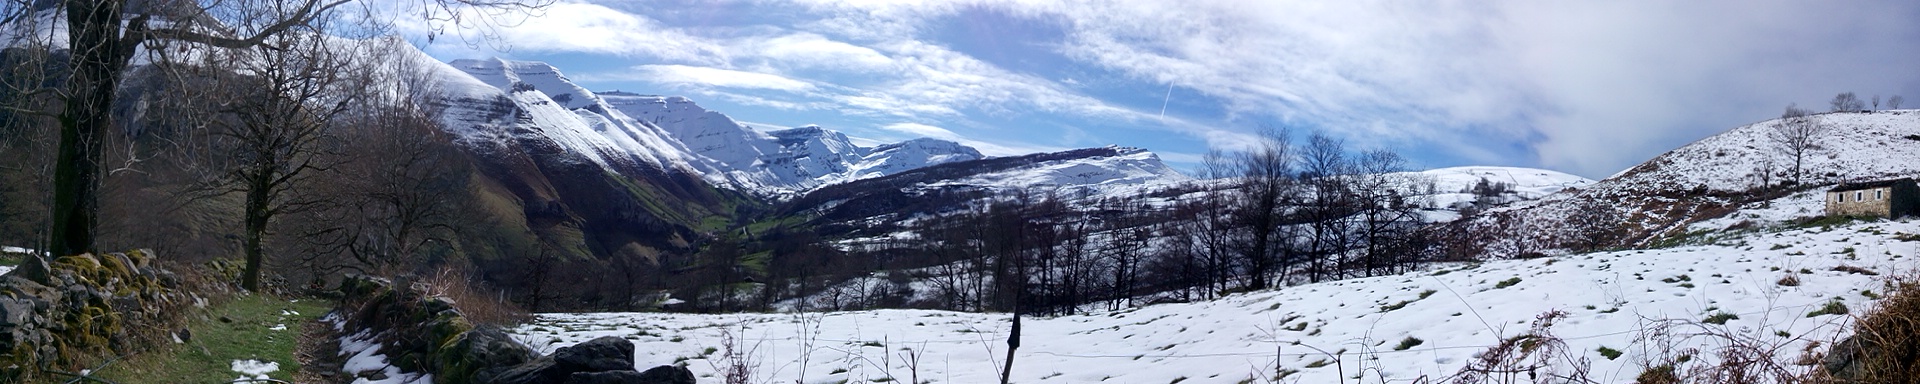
1279, 213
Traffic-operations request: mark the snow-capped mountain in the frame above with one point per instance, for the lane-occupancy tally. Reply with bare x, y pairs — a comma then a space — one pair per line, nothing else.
1082, 174
781, 162
1123, 171
581, 116
907, 155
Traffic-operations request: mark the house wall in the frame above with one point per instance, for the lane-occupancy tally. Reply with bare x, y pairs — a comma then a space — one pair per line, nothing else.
1865, 205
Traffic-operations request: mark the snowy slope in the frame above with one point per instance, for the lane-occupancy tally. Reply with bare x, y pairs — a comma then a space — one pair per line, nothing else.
1855, 147
1325, 332
1713, 176
817, 154
1452, 186
738, 149
1129, 171
781, 162
578, 116
907, 155
1529, 183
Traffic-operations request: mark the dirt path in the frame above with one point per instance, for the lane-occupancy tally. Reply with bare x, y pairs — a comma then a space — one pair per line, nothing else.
319, 355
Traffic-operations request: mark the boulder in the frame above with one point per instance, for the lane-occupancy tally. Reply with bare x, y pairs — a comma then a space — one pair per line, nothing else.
479, 355
603, 354
1843, 361
607, 353
667, 374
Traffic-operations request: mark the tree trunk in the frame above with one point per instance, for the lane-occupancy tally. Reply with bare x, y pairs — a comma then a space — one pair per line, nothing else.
93, 28
1013, 343
257, 213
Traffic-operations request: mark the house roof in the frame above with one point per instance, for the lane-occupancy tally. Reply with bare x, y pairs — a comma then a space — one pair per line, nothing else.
1870, 185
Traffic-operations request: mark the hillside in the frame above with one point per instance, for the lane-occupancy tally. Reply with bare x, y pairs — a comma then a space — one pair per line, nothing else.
879, 203
1709, 179
778, 164
1427, 323
582, 191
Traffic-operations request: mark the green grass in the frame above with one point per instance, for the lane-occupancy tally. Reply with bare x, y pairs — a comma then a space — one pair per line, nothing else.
1833, 307
207, 358
1507, 283
1409, 342
1609, 353
1720, 318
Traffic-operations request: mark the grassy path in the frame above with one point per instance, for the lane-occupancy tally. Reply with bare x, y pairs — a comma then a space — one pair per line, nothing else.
256, 327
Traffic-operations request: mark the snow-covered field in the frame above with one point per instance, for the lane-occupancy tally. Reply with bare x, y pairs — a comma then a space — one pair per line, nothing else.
1320, 332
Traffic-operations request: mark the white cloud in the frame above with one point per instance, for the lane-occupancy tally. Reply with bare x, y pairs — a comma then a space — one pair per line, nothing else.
724, 78
918, 129
570, 26
808, 50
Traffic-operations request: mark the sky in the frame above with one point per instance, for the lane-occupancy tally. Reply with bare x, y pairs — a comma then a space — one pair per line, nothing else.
1584, 87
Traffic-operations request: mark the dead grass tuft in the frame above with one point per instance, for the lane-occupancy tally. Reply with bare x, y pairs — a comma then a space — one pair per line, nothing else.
480, 304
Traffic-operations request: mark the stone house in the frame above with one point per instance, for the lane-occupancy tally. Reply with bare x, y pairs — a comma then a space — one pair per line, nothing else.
1885, 198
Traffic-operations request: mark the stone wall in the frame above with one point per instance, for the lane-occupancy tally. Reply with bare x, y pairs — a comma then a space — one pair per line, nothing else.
1860, 202
55, 314
423, 333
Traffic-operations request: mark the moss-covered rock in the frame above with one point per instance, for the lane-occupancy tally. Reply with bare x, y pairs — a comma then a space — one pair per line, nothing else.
59, 313
425, 333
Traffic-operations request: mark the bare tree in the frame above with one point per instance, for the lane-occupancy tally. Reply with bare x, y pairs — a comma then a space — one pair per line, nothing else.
273, 108
1894, 102
394, 193
1847, 102
1876, 102
1265, 191
1327, 173
103, 36
1797, 133
1388, 217
1763, 174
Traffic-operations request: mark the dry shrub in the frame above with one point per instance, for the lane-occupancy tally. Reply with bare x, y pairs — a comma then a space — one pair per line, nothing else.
479, 303
1885, 347
1537, 356
1855, 270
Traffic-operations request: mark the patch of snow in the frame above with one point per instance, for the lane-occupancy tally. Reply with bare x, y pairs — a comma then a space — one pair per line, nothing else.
254, 369
366, 360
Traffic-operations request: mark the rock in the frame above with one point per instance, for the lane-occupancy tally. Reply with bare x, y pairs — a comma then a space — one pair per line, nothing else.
607, 377
539, 371
598, 355
53, 311
667, 374
15, 311
1843, 360
479, 355
34, 269
607, 353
